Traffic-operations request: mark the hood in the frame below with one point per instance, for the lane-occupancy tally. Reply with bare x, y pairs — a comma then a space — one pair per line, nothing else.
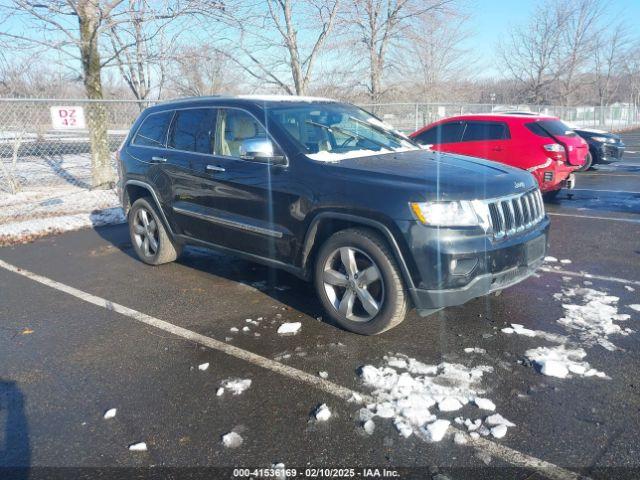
439, 175
592, 132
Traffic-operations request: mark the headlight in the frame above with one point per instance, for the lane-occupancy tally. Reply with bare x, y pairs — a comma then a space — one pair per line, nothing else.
604, 139
452, 214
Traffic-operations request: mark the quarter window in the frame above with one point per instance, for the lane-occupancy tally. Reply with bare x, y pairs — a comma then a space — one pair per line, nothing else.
193, 130
444, 133
476, 131
153, 131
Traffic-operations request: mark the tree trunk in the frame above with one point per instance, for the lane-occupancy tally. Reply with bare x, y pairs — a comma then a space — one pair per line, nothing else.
101, 170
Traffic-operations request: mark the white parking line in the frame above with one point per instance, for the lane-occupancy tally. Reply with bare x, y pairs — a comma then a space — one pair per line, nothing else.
608, 175
595, 217
591, 276
503, 452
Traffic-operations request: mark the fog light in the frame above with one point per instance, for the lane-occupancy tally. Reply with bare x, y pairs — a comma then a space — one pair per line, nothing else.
463, 266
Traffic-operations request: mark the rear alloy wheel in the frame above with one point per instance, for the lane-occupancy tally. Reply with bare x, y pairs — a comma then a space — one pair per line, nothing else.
588, 161
148, 235
358, 282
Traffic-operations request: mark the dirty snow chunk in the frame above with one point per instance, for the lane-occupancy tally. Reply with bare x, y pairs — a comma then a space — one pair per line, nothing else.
138, 447
550, 259
553, 368
231, 440
559, 361
403, 427
289, 328
369, 426
236, 385
474, 350
520, 330
473, 426
460, 438
566, 261
508, 330
629, 289
323, 413
474, 435
355, 397
245, 329
449, 405
233, 329
635, 307
499, 431
484, 404
435, 431
203, 366
323, 374
110, 413
497, 419
220, 392
594, 317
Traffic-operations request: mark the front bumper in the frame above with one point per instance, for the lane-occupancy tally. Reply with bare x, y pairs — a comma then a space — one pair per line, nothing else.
453, 268
607, 153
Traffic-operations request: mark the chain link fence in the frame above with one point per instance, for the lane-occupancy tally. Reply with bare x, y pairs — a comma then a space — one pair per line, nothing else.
408, 117
46, 177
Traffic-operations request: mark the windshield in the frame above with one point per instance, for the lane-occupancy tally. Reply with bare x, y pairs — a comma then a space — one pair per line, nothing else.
334, 131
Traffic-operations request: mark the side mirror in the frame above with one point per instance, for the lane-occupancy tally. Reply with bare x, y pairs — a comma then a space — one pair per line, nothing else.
260, 150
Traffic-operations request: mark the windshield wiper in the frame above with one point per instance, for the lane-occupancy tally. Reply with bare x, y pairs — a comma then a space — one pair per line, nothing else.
348, 133
380, 129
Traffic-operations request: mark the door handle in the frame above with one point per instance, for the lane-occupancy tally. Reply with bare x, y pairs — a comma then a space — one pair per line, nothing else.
158, 159
214, 168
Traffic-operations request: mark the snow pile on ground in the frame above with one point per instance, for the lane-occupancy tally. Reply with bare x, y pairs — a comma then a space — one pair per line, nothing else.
322, 413
594, 320
474, 350
635, 307
406, 391
138, 447
289, 328
522, 330
111, 413
231, 440
234, 385
559, 362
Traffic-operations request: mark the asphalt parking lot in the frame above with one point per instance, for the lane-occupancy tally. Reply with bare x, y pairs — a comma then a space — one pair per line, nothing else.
70, 351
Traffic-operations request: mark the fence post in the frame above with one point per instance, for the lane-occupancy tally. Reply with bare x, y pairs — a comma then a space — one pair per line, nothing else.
416, 118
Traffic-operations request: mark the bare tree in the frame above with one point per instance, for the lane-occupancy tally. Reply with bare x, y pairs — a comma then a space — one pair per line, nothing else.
381, 22
267, 35
532, 52
609, 56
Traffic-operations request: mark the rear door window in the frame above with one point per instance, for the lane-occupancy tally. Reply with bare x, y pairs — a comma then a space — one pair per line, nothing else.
153, 131
450, 132
477, 131
193, 130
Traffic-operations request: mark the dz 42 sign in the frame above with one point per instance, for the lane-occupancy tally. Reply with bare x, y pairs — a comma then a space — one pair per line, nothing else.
67, 118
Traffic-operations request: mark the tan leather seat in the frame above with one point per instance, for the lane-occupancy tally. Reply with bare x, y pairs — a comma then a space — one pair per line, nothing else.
237, 129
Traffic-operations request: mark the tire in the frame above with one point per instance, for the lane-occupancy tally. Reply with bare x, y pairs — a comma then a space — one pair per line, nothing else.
551, 196
587, 163
374, 275
146, 230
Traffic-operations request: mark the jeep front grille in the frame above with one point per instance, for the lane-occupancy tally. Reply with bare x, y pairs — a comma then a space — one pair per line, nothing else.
514, 214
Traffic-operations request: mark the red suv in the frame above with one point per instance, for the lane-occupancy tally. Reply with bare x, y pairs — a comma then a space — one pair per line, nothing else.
542, 145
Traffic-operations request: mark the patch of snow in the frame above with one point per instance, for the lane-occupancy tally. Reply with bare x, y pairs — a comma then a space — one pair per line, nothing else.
630, 289
635, 307
232, 440
550, 259
407, 391
484, 404
560, 361
435, 431
325, 156
566, 261
289, 328
499, 431
203, 366
236, 385
520, 330
285, 98
234, 329
138, 447
323, 374
369, 426
497, 419
322, 413
111, 413
474, 435
245, 329
474, 350
220, 392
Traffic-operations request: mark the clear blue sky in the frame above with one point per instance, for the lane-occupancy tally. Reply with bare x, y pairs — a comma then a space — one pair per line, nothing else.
491, 19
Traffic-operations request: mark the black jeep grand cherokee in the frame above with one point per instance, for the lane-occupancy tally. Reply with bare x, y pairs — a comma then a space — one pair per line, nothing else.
328, 192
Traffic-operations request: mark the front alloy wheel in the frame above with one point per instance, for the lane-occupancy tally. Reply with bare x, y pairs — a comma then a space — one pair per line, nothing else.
359, 283
353, 284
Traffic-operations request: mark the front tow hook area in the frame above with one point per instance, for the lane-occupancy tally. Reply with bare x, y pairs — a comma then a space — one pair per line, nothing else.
570, 182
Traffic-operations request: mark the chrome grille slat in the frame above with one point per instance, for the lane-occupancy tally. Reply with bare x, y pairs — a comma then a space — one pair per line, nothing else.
516, 213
